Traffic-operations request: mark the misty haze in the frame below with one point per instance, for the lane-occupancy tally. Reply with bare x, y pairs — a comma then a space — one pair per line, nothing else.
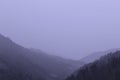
59, 40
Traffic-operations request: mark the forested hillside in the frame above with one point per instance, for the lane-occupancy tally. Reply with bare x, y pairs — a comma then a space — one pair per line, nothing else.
107, 68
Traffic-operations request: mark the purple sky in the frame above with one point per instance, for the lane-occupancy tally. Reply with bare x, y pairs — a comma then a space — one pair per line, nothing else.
68, 28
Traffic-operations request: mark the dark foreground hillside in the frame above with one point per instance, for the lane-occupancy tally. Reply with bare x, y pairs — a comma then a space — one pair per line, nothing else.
107, 68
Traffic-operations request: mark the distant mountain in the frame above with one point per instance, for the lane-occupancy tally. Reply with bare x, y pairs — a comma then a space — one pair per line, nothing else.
95, 56
19, 63
107, 68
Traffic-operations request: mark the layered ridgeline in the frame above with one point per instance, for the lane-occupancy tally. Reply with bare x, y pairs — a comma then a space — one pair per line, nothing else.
19, 63
97, 55
106, 68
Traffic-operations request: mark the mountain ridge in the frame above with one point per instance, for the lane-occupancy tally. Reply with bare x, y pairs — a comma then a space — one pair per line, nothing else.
31, 64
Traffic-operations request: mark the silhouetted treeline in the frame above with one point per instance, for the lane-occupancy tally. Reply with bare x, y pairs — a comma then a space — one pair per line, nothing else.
107, 68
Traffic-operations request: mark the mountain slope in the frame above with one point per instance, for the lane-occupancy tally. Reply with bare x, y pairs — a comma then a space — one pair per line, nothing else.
17, 61
17, 58
56, 66
107, 68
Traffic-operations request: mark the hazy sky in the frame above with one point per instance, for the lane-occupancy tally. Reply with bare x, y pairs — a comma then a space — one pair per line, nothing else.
69, 28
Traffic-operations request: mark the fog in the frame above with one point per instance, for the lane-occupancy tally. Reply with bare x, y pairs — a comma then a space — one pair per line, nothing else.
67, 28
